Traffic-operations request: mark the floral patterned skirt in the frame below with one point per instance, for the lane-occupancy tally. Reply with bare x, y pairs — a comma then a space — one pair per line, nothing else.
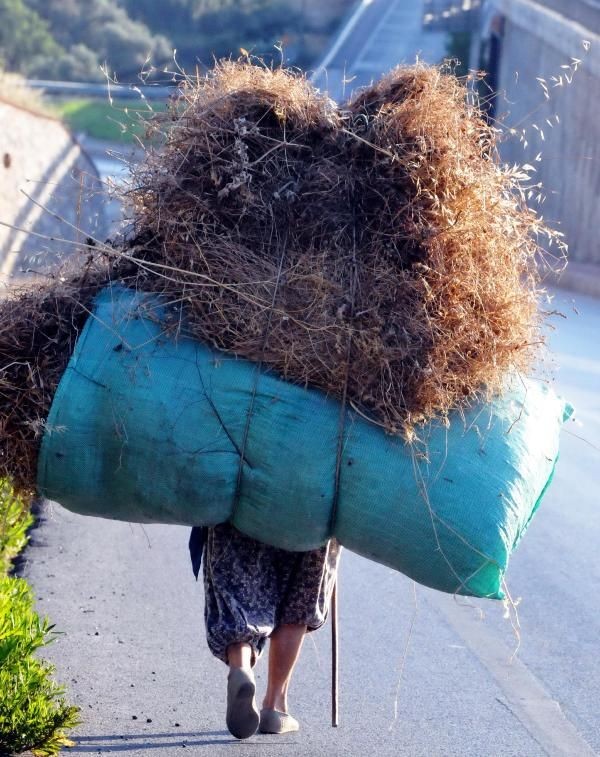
252, 588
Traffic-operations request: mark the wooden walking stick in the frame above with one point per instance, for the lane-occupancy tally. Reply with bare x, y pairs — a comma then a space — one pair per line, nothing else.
334, 657
336, 496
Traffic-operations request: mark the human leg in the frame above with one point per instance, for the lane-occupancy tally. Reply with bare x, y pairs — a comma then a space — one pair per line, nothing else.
308, 580
239, 655
242, 716
240, 595
240, 603
254, 591
309, 585
284, 650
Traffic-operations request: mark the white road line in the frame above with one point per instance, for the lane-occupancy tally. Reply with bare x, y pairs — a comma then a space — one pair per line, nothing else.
525, 695
342, 37
374, 33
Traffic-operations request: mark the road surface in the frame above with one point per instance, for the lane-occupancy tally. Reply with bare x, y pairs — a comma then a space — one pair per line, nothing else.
421, 674
112, 161
378, 36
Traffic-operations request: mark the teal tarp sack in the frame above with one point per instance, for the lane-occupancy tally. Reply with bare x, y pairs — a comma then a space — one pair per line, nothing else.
147, 428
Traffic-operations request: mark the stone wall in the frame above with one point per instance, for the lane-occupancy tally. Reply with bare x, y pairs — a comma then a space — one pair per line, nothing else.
50, 193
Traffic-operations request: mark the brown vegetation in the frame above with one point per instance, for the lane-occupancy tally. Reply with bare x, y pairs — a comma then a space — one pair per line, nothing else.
378, 251
39, 325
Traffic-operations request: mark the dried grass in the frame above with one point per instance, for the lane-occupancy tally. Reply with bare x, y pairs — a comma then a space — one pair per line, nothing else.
39, 325
378, 251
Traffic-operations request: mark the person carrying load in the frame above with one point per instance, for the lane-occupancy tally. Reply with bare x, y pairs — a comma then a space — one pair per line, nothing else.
321, 331
254, 592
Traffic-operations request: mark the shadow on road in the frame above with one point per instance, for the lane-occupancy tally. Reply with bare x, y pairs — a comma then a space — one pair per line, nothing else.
145, 741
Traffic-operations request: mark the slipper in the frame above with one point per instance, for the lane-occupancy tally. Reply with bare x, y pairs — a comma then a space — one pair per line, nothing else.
242, 713
274, 721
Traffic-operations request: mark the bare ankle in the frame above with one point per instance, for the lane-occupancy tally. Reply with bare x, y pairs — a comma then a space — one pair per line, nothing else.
276, 701
239, 655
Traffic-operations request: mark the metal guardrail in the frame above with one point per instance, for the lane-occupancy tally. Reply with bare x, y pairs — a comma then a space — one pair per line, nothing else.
451, 15
584, 12
351, 22
462, 15
120, 91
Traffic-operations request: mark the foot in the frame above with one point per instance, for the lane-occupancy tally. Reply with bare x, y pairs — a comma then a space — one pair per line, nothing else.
274, 721
242, 713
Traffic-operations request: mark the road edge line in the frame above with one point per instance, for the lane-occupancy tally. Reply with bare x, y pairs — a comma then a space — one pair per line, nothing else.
527, 698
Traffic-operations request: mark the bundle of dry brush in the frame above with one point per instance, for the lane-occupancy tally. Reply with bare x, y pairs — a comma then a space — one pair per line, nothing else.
376, 251
39, 326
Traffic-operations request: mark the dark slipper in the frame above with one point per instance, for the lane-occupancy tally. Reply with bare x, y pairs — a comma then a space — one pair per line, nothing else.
242, 713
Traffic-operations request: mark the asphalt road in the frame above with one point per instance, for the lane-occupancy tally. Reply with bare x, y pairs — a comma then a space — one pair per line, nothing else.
421, 674
112, 161
376, 38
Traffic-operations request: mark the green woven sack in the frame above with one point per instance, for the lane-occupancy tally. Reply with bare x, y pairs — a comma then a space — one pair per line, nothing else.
147, 428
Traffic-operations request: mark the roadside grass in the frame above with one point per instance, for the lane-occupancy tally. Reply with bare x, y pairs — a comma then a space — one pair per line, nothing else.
15, 519
121, 121
34, 714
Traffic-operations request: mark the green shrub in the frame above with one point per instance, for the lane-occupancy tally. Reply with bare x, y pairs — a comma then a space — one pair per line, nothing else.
33, 711
25, 39
15, 519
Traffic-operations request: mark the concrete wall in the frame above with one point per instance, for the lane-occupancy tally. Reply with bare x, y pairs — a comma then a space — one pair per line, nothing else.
39, 157
539, 42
